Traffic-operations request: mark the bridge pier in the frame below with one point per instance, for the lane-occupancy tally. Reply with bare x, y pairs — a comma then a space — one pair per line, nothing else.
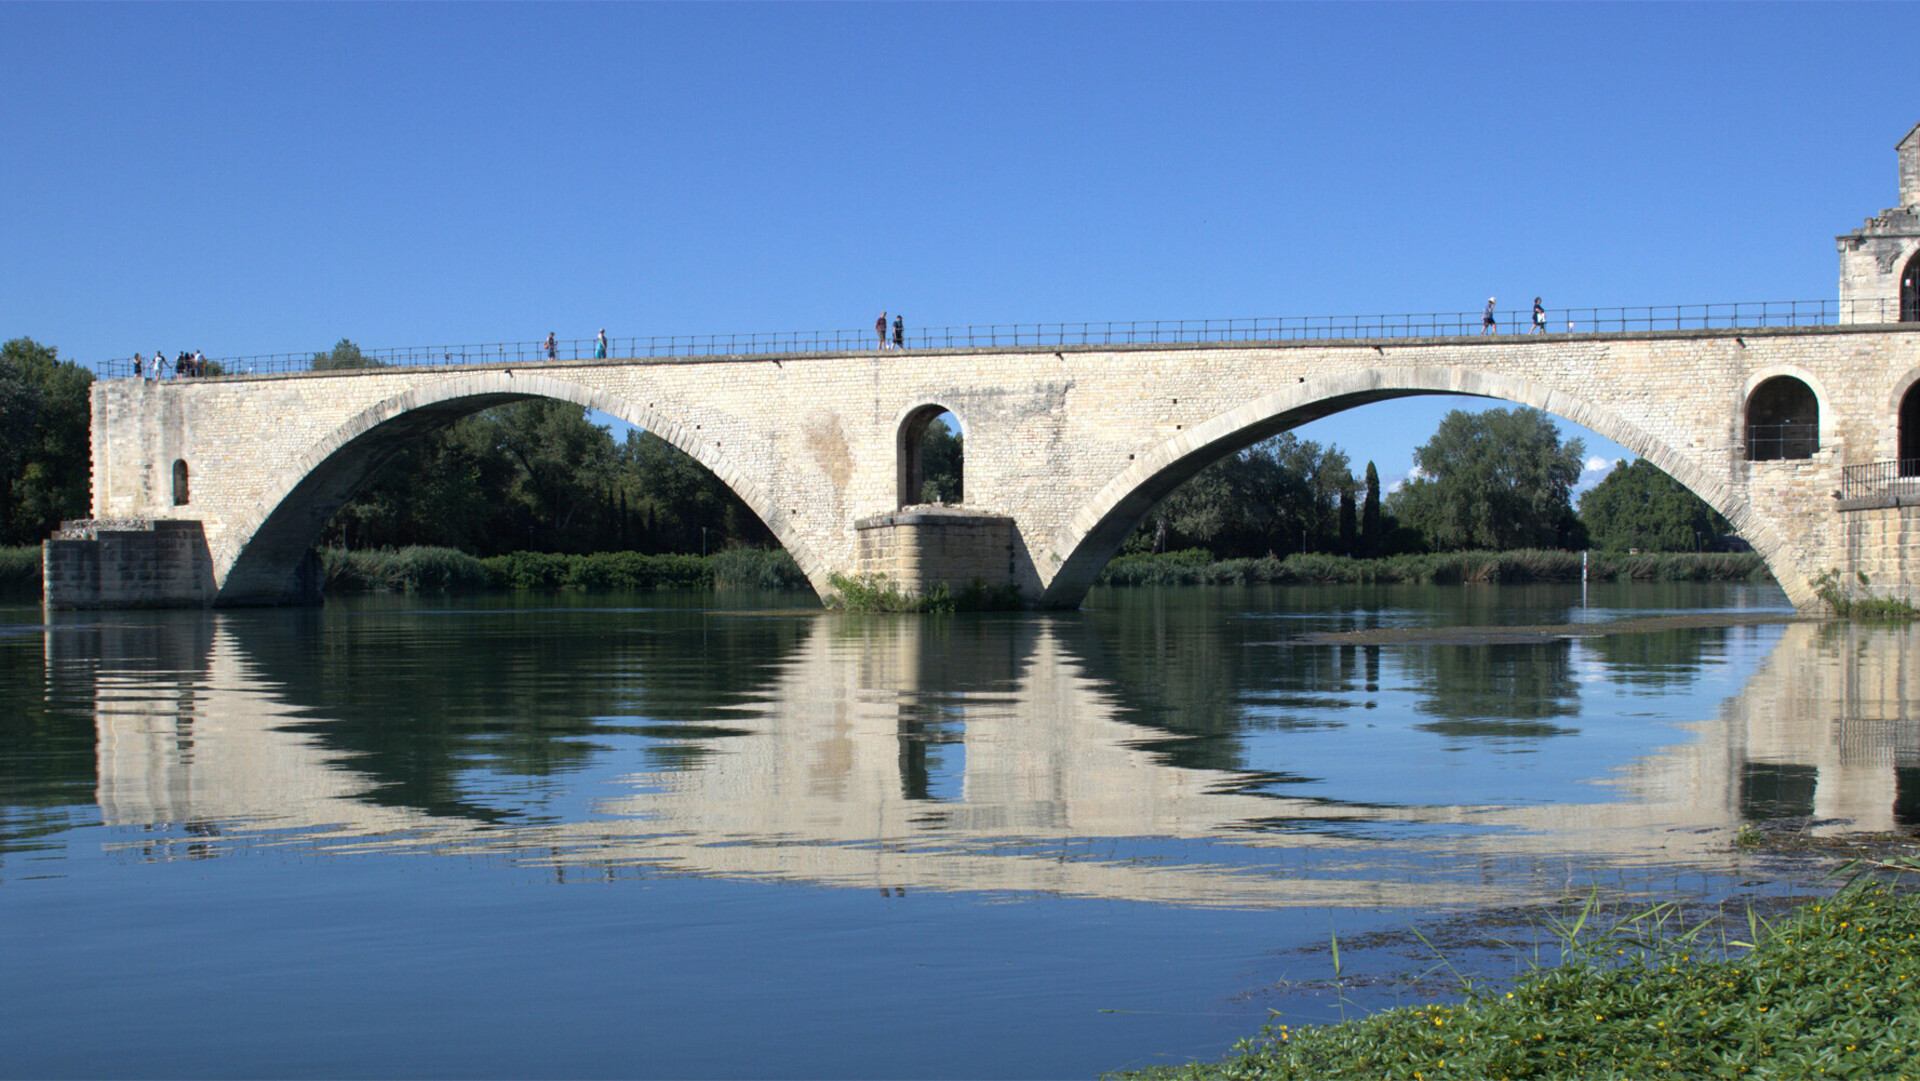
128, 563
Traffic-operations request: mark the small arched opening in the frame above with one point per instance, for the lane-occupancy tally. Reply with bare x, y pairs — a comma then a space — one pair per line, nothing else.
180, 482
931, 456
1910, 293
1909, 439
1783, 420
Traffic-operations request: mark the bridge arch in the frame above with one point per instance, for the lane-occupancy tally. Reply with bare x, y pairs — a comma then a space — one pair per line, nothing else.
1092, 536
274, 539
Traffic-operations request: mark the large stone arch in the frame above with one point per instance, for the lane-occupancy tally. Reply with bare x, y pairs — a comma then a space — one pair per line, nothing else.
1092, 536
270, 545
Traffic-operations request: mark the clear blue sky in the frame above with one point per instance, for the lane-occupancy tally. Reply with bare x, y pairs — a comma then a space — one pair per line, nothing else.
266, 178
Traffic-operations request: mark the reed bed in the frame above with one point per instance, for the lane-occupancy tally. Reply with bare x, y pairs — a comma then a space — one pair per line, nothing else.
1197, 567
424, 569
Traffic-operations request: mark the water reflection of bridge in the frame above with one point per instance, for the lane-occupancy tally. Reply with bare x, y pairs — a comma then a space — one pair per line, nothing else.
876, 756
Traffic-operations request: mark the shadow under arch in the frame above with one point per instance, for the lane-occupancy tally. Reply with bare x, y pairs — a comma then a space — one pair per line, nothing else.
1091, 537
298, 504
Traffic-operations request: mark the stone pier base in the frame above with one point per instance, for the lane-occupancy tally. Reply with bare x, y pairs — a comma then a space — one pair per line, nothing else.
918, 549
127, 563
1880, 539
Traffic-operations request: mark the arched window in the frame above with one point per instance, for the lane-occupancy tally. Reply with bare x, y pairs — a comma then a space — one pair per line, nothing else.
930, 455
1783, 420
1909, 450
180, 482
1910, 294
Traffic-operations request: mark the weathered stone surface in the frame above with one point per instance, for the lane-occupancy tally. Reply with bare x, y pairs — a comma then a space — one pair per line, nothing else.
1073, 444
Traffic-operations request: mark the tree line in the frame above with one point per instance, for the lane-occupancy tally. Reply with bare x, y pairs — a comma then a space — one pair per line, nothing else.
1497, 480
539, 475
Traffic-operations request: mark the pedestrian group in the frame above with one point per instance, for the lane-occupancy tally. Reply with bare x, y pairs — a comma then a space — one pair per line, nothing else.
186, 364
899, 331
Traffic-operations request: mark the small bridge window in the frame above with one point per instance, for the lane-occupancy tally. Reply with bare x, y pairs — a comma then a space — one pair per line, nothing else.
180, 482
1910, 294
1907, 451
931, 455
1783, 420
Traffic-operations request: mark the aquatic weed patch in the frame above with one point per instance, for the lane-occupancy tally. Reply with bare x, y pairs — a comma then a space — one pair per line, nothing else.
1830, 990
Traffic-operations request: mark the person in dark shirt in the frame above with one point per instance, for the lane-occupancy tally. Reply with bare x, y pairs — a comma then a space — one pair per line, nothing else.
899, 333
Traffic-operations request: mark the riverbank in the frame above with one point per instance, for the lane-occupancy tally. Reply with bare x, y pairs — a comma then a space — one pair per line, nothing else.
1826, 989
1198, 567
419, 568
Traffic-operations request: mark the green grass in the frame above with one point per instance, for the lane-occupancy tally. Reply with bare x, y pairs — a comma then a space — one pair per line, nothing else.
20, 573
1832, 989
1197, 567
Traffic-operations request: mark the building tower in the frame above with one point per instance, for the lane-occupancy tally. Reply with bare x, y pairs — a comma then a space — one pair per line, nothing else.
1880, 261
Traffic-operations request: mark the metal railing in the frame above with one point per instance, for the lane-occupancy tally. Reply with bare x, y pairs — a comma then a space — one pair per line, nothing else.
1774, 442
1520, 321
1891, 477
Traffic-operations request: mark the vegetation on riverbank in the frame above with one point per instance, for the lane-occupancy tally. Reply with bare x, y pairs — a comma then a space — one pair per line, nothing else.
875, 593
1830, 990
1198, 567
20, 573
417, 568
1839, 599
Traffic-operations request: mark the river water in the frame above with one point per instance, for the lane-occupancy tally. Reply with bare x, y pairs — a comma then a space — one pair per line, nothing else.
664, 835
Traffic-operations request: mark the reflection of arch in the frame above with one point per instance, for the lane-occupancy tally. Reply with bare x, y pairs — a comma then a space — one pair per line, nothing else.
1091, 537
180, 482
1910, 291
302, 498
1782, 420
908, 450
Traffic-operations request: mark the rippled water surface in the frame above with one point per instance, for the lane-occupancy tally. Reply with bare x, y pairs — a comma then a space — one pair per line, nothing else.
664, 835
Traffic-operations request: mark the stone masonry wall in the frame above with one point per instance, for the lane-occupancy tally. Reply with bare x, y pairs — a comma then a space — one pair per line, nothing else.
921, 548
1073, 444
127, 564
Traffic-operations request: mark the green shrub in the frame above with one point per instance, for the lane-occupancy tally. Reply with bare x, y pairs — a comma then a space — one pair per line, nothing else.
20, 573
412, 569
756, 568
1444, 568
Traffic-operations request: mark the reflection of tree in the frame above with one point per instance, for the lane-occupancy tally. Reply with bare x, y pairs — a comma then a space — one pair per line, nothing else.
420, 701
1202, 678
1657, 658
1496, 691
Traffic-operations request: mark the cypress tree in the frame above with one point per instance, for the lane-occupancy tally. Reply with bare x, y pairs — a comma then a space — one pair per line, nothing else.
1370, 539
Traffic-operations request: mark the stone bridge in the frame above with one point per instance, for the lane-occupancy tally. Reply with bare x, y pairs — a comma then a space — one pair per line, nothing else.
1067, 448
213, 490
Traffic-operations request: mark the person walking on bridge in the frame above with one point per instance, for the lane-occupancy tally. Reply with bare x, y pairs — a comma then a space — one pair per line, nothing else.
1488, 325
600, 345
899, 333
1539, 317
880, 329
552, 346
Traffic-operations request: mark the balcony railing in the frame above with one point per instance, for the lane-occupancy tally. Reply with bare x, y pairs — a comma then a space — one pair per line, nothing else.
1520, 321
1892, 477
